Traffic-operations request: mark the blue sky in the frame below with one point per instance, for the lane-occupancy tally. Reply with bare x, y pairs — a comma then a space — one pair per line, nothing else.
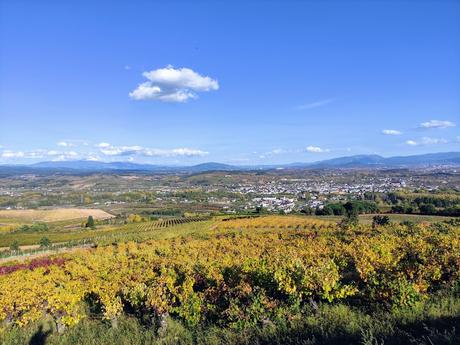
237, 82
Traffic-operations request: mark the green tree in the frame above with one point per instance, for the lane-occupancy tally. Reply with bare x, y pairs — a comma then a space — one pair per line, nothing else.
45, 242
90, 222
351, 213
260, 210
427, 209
14, 246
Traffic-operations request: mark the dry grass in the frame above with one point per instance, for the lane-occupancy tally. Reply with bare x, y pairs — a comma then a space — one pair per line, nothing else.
52, 215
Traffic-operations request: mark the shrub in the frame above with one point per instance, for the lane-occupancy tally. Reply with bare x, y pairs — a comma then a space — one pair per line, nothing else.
380, 220
45, 242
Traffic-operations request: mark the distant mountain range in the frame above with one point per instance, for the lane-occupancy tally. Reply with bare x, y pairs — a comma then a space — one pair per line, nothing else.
96, 166
369, 161
357, 161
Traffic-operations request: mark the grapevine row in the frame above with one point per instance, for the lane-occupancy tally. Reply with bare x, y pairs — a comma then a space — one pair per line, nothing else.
237, 278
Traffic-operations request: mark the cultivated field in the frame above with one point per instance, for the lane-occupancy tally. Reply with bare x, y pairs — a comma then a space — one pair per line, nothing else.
102, 234
51, 215
275, 222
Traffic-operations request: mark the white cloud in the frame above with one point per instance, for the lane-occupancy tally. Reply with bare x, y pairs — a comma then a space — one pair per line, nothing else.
186, 152
273, 152
104, 149
181, 78
93, 157
316, 104
437, 124
173, 85
72, 143
110, 150
64, 156
391, 132
12, 154
39, 154
121, 151
433, 141
316, 149
65, 144
427, 141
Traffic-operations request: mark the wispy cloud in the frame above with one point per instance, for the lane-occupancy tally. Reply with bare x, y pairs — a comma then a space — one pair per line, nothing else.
173, 85
426, 141
316, 104
39, 154
103, 150
277, 151
391, 132
111, 150
65, 144
72, 143
271, 153
436, 124
316, 149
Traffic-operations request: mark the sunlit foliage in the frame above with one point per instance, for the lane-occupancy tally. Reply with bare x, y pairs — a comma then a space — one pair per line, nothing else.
239, 273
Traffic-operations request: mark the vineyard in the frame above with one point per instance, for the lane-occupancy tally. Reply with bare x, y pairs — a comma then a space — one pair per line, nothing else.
164, 223
242, 274
86, 236
275, 222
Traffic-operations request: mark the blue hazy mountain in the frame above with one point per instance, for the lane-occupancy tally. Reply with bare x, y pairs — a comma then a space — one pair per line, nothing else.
344, 162
95, 165
376, 161
357, 161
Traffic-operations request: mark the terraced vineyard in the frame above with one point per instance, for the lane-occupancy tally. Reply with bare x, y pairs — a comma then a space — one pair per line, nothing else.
306, 277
